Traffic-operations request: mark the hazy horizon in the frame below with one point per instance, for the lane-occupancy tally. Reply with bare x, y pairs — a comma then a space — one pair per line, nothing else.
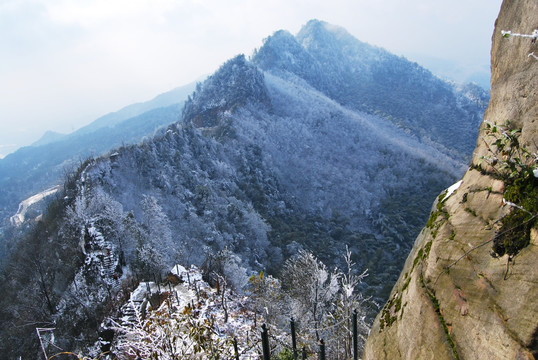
64, 65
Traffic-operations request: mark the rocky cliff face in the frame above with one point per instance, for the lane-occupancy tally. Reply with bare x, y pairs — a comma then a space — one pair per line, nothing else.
456, 297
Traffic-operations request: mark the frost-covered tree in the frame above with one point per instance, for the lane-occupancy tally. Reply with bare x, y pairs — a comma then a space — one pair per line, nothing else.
187, 324
149, 261
311, 288
348, 301
158, 244
268, 300
227, 266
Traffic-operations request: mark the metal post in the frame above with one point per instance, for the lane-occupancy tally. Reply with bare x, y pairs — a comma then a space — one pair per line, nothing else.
235, 349
156, 282
304, 353
355, 336
265, 343
321, 349
293, 339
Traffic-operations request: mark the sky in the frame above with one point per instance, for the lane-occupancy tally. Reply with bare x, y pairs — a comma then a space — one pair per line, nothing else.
64, 63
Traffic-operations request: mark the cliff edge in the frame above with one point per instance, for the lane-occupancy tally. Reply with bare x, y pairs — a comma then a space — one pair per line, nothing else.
469, 288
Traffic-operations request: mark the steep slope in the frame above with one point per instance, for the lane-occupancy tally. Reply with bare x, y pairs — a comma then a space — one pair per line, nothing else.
262, 165
469, 287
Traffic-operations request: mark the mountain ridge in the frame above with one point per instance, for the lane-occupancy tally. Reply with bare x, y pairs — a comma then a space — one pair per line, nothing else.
371, 74
48, 137
263, 165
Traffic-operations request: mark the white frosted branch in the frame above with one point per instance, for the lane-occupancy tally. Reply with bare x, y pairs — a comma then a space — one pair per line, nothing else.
533, 36
508, 33
505, 202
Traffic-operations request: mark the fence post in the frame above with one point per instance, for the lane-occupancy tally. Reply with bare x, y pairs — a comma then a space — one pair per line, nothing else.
197, 292
265, 343
321, 349
293, 339
355, 336
156, 282
148, 288
235, 349
304, 353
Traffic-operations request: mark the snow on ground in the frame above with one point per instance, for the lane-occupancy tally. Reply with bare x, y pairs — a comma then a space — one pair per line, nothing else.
184, 317
98, 277
18, 218
451, 189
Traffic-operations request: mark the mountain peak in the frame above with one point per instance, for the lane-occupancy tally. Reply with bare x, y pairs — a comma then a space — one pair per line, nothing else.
280, 41
322, 33
315, 26
320, 26
236, 83
48, 137
280, 161
283, 54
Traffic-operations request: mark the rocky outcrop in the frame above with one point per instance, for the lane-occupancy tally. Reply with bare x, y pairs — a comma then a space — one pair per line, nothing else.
455, 298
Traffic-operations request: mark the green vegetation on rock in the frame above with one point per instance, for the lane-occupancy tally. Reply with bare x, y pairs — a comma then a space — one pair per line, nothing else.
516, 166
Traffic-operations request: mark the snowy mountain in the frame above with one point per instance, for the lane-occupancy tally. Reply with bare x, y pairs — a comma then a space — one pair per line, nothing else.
317, 142
370, 79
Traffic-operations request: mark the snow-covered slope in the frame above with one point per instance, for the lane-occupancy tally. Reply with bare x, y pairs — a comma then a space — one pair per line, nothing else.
18, 218
370, 79
287, 152
182, 317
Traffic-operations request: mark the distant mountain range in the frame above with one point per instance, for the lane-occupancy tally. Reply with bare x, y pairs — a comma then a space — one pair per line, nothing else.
33, 169
48, 137
172, 97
